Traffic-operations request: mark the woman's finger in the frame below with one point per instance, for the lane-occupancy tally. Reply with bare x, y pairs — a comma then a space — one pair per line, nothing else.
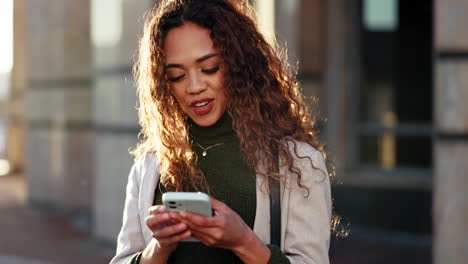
217, 204
206, 234
176, 217
154, 221
169, 241
169, 231
203, 238
202, 221
157, 209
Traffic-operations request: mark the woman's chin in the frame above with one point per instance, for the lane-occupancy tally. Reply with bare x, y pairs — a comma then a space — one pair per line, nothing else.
206, 120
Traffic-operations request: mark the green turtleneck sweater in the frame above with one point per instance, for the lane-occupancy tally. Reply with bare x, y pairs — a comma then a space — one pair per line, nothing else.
231, 181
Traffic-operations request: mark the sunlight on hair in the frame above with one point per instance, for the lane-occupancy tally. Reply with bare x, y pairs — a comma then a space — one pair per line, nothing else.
340, 226
4, 167
266, 18
6, 31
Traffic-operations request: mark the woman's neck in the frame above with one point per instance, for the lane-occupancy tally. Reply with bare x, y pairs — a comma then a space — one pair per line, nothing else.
221, 131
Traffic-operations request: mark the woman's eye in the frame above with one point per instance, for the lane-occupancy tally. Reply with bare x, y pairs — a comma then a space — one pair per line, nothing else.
175, 79
211, 70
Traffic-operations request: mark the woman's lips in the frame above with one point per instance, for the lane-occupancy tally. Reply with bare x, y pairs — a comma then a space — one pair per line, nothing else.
204, 106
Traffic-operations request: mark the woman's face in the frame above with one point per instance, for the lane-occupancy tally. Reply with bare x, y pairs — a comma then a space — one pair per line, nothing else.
195, 72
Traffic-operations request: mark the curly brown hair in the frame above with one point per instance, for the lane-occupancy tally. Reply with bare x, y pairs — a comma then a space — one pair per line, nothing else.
257, 77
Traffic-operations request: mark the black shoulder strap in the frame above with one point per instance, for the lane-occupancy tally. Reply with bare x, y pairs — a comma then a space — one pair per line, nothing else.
275, 208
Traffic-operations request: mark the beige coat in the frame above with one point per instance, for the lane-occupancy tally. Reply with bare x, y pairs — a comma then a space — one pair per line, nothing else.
305, 230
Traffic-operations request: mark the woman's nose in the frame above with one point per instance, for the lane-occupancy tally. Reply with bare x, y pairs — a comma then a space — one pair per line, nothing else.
197, 84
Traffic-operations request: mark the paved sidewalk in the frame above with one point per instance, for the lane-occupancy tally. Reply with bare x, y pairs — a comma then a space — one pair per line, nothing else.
29, 236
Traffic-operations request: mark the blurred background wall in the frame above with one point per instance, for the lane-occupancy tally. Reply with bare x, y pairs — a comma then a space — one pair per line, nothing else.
390, 77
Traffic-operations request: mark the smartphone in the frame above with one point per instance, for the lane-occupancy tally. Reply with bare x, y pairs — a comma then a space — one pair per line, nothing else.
195, 202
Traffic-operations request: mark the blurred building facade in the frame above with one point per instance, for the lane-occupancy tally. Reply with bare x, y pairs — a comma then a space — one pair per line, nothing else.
390, 75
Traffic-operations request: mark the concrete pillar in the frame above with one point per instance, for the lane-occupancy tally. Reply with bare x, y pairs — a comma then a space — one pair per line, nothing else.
286, 27
341, 70
451, 141
116, 26
299, 26
16, 115
59, 137
310, 50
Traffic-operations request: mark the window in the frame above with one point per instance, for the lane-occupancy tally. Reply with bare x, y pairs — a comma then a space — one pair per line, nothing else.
385, 177
394, 110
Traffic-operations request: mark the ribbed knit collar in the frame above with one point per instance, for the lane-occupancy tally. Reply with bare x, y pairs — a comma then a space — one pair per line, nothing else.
220, 132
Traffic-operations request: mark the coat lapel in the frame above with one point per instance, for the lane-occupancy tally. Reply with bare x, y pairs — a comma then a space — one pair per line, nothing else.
150, 177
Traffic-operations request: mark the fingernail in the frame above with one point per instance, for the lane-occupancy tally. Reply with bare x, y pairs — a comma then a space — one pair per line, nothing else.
181, 226
183, 213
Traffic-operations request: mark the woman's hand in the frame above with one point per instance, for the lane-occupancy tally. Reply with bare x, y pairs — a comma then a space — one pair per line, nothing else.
166, 231
225, 230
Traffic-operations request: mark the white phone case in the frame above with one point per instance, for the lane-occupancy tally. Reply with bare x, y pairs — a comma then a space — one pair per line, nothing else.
195, 202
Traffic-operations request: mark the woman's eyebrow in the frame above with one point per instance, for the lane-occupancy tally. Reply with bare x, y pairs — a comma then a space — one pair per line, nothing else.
175, 65
172, 65
206, 57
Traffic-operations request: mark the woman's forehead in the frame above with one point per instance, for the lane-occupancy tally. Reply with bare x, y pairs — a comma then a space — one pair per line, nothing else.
188, 43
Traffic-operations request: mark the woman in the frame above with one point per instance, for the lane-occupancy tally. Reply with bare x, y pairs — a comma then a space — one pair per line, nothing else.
219, 111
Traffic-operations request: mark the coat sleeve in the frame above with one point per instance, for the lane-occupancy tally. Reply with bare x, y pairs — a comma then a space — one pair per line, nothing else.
307, 234
130, 240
